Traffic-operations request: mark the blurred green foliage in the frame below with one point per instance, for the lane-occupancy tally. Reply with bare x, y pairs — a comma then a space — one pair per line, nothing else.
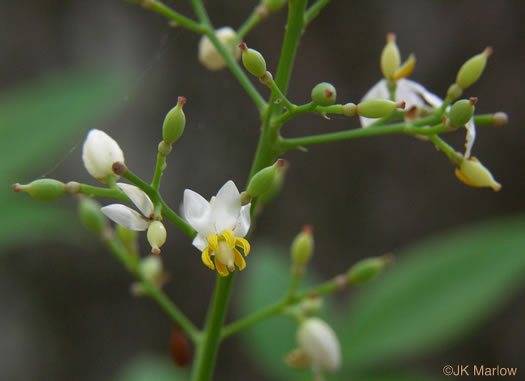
435, 293
37, 121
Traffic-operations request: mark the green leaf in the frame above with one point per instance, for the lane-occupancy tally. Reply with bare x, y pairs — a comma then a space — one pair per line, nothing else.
151, 368
436, 292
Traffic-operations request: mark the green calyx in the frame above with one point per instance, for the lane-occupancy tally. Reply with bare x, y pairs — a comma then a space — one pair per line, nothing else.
471, 70
367, 269
253, 61
174, 122
377, 108
91, 216
324, 94
43, 189
461, 112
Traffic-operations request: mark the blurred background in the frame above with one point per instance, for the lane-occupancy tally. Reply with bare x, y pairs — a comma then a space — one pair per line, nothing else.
69, 66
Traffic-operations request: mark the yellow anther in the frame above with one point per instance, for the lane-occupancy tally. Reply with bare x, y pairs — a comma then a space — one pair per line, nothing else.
239, 260
206, 259
213, 242
221, 269
406, 69
244, 244
229, 237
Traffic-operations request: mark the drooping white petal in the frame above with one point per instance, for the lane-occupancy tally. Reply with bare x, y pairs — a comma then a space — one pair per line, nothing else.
378, 91
470, 137
125, 216
138, 197
318, 340
243, 223
431, 98
200, 242
226, 207
99, 152
197, 212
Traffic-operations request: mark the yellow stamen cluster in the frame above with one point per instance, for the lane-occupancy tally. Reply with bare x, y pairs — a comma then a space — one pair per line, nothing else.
227, 256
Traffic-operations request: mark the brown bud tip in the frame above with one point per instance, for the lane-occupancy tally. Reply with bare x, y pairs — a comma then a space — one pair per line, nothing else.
329, 93
281, 162
308, 229
388, 258
17, 187
155, 250
243, 46
473, 100
401, 105
180, 347
500, 119
231, 267
119, 168
390, 37
488, 51
181, 100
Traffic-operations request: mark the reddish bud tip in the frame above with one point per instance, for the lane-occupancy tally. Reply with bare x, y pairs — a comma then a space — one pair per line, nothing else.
181, 100
17, 187
281, 162
401, 105
391, 37
388, 258
444, 119
155, 250
243, 46
329, 93
488, 51
180, 348
119, 168
473, 100
308, 229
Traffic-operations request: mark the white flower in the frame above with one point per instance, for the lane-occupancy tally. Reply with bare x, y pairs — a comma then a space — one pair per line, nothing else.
320, 344
210, 57
221, 225
413, 93
132, 220
99, 152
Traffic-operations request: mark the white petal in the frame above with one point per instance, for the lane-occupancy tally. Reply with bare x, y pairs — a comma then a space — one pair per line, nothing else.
378, 91
243, 223
200, 242
99, 152
138, 197
197, 212
226, 207
125, 216
431, 98
470, 137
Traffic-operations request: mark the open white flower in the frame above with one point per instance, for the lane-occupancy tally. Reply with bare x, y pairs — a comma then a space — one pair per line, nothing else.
99, 152
411, 92
318, 341
132, 220
221, 225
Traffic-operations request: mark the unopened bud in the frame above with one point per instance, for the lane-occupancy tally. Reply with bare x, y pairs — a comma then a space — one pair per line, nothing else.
461, 112
471, 70
99, 152
500, 119
156, 236
473, 173
454, 91
302, 248
377, 108
390, 57
174, 122
324, 94
43, 189
349, 109
263, 180
319, 341
210, 57
252, 60
151, 267
91, 216
367, 269
276, 186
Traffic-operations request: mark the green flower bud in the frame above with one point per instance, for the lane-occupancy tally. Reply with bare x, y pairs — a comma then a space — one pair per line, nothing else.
274, 189
174, 122
156, 236
302, 248
274, 5
454, 91
473, 173
43, 189
461, 112
91, 216
471, 70
377, 108
367, 269
262, 181
390, 57
324, 94
252, 60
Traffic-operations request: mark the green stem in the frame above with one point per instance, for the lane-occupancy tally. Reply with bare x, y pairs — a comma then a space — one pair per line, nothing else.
255, 18
276, 91
313, 11
120, 252
230, 61
159, 169
454, 157
160, 8
205, 359
91, 191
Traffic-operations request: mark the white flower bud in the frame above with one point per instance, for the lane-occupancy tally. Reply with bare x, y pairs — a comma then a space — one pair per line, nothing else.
210, 57
156, 236
151, 267
99, 152
318, 340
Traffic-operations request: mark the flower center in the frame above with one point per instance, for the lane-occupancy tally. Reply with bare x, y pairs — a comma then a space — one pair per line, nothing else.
225, 254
